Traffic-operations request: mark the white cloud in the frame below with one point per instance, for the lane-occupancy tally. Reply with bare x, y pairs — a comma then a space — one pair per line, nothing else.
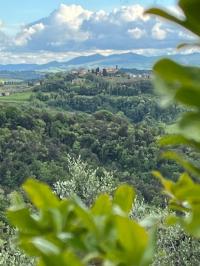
73, 29
73, 16
186, 36
101, 15
65, 24
1, 24
136, 33
158, 33
131, 13
27, 33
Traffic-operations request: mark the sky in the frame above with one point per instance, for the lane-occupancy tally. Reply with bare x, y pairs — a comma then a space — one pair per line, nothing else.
39, 31
23, 11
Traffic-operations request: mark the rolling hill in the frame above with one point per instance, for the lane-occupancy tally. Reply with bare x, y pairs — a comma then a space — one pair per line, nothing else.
125, 60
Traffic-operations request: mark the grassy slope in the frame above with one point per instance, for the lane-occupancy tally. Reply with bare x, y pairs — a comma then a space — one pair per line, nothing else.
16, 97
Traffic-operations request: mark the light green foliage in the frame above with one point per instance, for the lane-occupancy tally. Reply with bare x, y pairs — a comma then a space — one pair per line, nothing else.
65, 232
16, 97
181, 84
10, 255
185, 196
173, 245
84, 181
4, 203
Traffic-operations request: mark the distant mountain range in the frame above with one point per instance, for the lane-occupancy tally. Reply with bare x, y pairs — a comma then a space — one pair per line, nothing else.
126, 60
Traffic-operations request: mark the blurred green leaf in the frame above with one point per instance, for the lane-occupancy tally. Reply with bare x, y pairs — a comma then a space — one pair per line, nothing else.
44, 246
189, 166
66, 232
172, 140
190, 126
102, 205
176, 82
124, 197
40, 194
185, 198
133, 238
22, 219
181, 85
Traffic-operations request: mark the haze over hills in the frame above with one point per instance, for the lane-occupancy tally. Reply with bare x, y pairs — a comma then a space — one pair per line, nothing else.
126, 60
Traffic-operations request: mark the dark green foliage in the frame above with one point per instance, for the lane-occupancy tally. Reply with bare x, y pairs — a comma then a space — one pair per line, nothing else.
36, 143
91, 93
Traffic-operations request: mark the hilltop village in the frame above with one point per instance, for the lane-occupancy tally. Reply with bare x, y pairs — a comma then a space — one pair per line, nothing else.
10, 86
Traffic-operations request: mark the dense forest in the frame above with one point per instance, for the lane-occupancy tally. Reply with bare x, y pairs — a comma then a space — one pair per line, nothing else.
111, 126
